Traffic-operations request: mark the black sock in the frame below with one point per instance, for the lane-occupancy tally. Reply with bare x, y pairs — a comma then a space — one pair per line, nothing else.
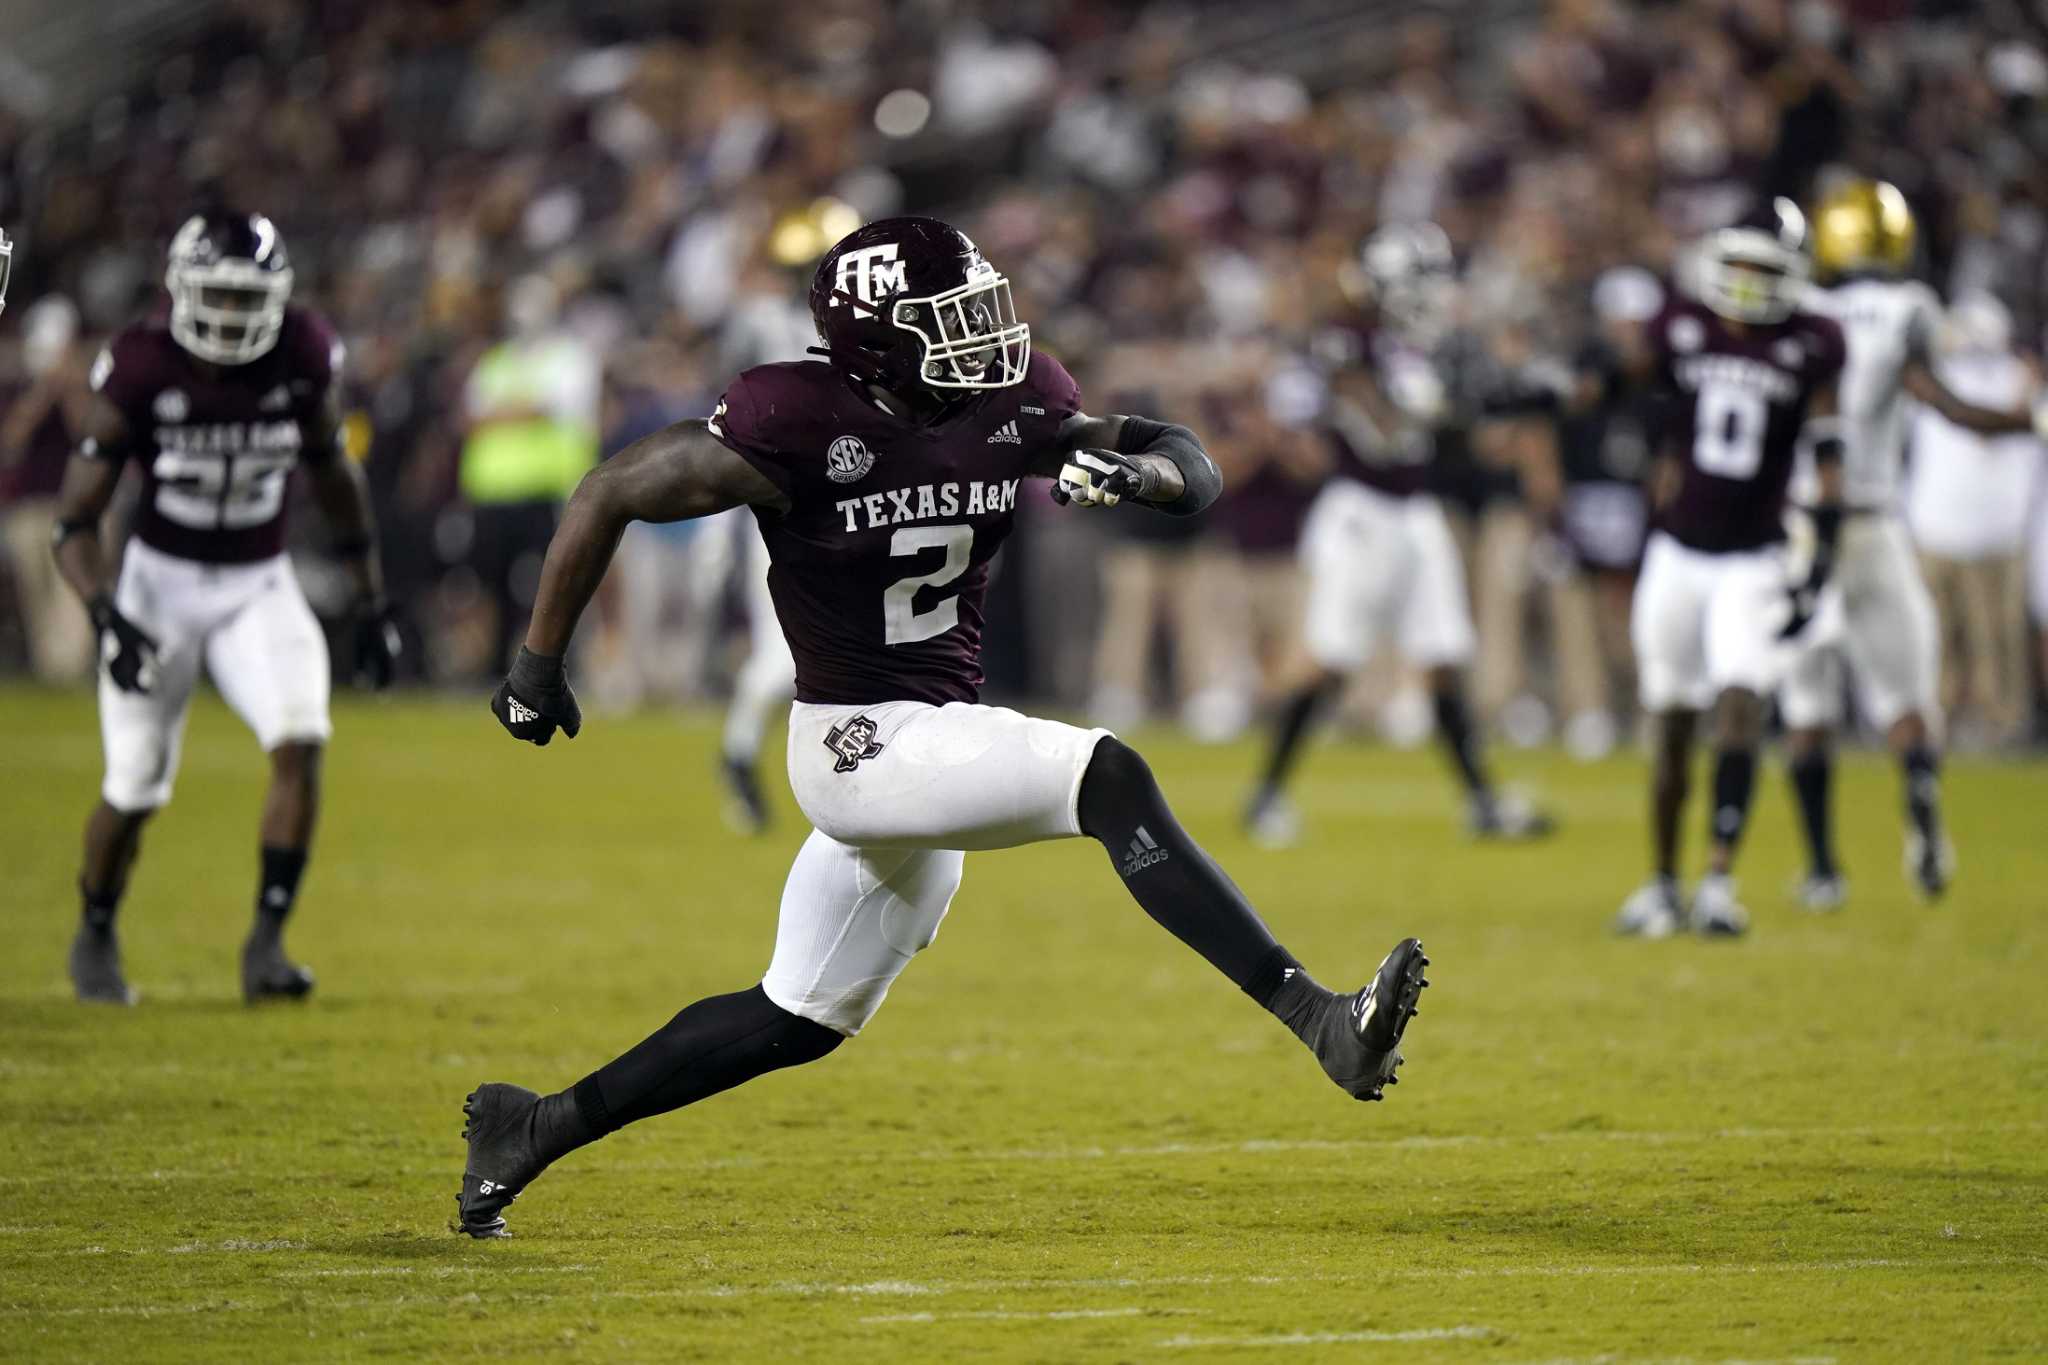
1454, 729
1812, 775
1182, 888
282, 868
1923, 791
1734, 785
98, 907
713, 1045
1297, 719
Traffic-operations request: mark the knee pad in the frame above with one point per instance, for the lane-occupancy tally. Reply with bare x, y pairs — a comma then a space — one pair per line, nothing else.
1118, 779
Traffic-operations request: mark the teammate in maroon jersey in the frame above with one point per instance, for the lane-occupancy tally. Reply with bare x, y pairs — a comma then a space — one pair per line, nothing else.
1377, 553
1748, 377
216, 405
884, 479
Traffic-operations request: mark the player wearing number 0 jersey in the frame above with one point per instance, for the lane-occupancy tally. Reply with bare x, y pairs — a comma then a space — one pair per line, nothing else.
1746, 376
885, 477
216, 406
1882, 623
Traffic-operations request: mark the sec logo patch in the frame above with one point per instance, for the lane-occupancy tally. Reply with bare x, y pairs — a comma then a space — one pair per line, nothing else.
847, 459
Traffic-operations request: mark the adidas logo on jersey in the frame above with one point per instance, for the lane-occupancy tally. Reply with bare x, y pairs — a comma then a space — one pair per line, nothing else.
521, 713
1143, 853
277, 400
1007, 432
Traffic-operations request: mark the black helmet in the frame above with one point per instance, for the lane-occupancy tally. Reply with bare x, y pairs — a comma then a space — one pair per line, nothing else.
230, 280
908, 302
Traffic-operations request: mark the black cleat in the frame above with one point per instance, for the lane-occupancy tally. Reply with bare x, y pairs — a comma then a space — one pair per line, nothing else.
746, 810
502, 1155
1358, 1040
96, 968
267, 974
1930, 865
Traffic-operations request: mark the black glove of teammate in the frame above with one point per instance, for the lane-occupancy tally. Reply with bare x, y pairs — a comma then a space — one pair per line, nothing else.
1805, 601
128, 652
535, 700
1827, 528
378, 645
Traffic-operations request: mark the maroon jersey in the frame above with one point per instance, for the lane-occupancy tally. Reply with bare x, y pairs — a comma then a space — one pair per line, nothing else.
217, 443
879, 567
1740, 394
1395, 462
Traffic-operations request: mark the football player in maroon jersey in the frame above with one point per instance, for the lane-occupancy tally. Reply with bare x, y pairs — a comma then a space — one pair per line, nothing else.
1378, 555
1748, 376
884, 478
216, 405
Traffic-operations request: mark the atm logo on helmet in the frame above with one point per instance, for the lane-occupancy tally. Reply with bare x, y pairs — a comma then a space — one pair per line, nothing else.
872, 272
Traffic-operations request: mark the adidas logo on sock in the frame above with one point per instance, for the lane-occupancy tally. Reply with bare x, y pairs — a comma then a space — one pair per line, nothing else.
1007, 432
1143, 853
520, 711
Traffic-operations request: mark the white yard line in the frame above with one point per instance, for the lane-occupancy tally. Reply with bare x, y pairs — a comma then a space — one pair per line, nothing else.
1335, 1338
1044, 1315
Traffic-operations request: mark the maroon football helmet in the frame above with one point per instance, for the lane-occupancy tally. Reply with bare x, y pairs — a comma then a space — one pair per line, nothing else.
909, 303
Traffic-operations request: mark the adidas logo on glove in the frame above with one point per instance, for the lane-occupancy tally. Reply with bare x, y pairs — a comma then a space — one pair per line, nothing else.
520, 711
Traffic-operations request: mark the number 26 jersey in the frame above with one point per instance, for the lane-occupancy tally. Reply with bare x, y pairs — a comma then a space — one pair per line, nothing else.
1737, 399
880, 566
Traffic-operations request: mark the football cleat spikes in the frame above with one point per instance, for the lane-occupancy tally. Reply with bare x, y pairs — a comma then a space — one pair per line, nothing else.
1358, 1040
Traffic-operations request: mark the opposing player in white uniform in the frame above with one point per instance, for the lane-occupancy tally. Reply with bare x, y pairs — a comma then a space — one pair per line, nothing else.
884, 480
1885, 627
1378, 555
1746, 376
216, 406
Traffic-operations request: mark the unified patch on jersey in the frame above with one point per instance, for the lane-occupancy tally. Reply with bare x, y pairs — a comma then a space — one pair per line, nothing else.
848, 459
852, 743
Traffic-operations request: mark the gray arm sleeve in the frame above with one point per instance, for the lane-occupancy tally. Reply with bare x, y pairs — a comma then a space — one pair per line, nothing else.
1202, 483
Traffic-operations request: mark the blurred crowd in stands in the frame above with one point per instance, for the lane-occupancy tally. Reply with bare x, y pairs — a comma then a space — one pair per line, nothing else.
593, 214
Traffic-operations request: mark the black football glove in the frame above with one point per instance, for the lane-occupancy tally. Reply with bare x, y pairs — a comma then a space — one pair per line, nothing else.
126, 649
1827, 533
1805, 602
534, 700
1100, 478
378, 645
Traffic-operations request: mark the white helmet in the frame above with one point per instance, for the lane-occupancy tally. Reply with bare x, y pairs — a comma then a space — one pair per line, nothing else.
230, 280
1756, 270
1413, 276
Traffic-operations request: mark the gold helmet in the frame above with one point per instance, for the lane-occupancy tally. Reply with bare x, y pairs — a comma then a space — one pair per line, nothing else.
1863, 225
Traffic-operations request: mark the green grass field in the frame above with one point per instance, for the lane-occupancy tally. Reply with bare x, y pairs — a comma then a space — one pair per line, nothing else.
1063, 1138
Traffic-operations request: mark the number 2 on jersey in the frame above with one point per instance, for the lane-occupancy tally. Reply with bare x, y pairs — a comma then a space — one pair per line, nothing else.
1728, 431
902, 622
